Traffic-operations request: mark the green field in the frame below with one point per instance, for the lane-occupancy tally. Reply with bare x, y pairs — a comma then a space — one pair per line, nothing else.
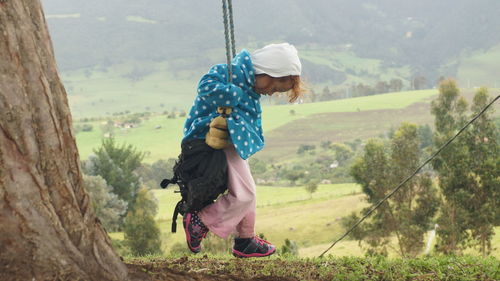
96, 93
156, 86
357, 69
165, 142
480, 68
290, 213
283, 212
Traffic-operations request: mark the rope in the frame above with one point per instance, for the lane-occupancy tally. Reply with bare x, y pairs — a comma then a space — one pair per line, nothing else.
231, 25
227, 7
408, 178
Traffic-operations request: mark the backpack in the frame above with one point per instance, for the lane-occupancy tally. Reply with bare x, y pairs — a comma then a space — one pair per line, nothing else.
201, 174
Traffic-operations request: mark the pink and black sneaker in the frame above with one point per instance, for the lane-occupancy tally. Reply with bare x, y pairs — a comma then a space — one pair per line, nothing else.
195, 231
252, 247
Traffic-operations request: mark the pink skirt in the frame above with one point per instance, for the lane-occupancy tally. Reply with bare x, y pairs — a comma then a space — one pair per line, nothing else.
233, 212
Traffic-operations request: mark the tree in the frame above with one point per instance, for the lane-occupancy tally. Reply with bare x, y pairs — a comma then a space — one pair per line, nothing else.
381, 87
141, 233
484, 174
449, 111
117, 165
152, 174
416, 203
326, 95
293, 175
326, 144
258, 167
419, 82
107, 206
305, 147
108, 129
425, 135
342, 152
311, 187
408, 213
48, 230
396, 85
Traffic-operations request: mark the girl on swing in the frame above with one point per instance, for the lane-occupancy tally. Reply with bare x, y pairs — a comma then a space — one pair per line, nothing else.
274, 68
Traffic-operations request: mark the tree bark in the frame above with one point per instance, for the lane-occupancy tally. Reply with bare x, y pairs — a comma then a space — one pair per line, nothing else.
47, 228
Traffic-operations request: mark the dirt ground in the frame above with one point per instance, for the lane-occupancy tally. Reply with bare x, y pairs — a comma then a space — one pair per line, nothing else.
206, 269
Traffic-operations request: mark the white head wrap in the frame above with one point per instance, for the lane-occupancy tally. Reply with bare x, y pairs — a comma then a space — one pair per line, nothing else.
277, 60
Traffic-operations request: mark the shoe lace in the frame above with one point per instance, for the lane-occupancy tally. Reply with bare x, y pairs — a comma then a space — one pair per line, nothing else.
261, 241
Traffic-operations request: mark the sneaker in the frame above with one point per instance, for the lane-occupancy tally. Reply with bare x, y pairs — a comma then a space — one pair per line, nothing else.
252, 247
195, 231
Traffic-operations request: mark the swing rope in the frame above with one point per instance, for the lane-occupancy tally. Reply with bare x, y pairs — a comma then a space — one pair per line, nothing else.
227, 10
408, 178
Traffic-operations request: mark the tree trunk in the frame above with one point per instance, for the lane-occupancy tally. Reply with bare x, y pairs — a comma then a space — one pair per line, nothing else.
47, 228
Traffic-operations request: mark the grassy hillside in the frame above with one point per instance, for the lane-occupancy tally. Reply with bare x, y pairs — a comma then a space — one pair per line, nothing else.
323, 120
290, 213
283, 212
154, 86
133, 86
480, 68
357, 69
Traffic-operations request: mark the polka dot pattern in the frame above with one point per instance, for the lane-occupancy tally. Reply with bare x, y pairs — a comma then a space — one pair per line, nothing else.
244, 123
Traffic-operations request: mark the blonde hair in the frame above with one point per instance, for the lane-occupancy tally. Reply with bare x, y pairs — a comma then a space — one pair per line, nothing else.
298, 90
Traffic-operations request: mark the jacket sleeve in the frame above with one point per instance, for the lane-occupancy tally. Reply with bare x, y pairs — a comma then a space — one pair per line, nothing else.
215, 89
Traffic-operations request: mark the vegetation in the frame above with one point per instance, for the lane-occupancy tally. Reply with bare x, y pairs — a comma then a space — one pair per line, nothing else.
467, 171
142, 236
116, 165
311, 164
312, 187
106, 204
315, 118
341, 268
409, 212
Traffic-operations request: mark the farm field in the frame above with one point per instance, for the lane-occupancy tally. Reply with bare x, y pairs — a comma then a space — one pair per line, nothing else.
290, 213
94, 93
338, 120
282, 212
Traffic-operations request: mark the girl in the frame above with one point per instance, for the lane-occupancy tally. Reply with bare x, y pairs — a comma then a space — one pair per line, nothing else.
274, 68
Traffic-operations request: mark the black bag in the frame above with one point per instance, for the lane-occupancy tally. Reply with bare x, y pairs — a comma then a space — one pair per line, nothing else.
201, 173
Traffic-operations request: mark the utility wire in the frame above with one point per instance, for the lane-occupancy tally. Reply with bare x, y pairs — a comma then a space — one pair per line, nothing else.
408, 178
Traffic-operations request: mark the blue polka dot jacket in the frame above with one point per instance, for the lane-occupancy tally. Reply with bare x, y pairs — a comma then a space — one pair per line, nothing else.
214, 90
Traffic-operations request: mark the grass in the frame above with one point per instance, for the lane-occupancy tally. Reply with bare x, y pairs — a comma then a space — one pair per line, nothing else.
290, 213
282, 212
329, 268
480, 68
96, 93
358, 69
103, 90
276, 116
165, 142
267, 196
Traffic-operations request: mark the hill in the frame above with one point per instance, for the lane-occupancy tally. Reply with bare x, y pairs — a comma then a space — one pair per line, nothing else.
423, 34
338, 121
137, 56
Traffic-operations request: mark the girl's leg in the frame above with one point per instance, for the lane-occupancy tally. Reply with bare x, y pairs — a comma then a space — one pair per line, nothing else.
246, 227
236, 209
